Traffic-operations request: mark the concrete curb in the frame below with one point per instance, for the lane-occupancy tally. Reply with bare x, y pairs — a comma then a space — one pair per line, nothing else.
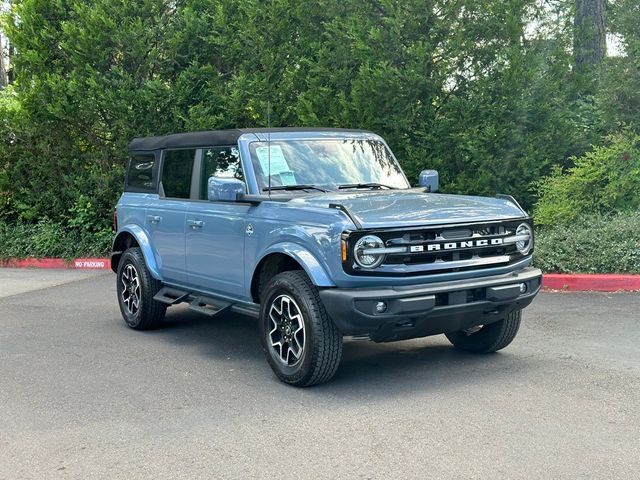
574, 282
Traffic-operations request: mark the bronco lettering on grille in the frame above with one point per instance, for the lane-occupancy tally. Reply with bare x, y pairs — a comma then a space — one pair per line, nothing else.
432, 247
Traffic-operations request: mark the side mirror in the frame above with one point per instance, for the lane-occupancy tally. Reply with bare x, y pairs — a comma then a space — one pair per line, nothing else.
224, 189
429, 180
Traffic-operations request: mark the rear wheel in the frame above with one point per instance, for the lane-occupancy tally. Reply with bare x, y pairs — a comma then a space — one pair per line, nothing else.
488, 338
301, 343
136, 288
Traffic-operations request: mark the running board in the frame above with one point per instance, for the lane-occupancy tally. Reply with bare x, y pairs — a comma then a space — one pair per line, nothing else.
170, 296
209, 306
251, 310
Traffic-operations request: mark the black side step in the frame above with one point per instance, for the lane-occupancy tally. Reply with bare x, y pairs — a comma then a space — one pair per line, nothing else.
209, 306
170, 296
251, 310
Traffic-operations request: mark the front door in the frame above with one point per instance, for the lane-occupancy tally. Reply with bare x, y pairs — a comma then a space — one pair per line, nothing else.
215, 230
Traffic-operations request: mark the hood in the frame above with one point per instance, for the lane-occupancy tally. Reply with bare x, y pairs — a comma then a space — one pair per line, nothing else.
398, 208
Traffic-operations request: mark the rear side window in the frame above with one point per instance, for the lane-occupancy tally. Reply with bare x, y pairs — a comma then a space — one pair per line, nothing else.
177, 169
220, 162
140, 175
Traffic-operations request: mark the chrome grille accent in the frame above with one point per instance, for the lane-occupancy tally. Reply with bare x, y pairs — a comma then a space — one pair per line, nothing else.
446, 248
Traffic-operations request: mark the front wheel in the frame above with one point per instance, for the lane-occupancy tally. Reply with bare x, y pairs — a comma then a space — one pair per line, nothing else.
488, 338
301, 343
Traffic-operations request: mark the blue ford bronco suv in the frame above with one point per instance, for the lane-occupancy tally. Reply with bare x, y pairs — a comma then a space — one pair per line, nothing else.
318, 234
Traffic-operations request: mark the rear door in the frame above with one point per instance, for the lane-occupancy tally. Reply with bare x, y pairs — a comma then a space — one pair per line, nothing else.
216, 230
165, 217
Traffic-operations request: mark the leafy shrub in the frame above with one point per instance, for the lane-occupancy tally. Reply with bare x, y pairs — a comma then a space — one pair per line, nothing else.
593, 244
48, 238
603, 181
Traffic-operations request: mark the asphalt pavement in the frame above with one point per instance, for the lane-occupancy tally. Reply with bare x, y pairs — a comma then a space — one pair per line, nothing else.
82, 396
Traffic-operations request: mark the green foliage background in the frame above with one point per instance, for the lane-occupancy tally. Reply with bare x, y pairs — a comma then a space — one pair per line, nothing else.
603, 181
482, 90
593, 244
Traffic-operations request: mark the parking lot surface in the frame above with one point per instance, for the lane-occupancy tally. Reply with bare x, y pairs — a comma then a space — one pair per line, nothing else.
20, 280
82, 396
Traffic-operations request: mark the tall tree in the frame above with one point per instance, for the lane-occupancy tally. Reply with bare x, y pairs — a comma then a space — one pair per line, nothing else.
3, 74
4, 47
619, 92
589, 44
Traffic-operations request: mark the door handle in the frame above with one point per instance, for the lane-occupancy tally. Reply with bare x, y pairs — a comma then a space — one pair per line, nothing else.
195, 223
154, 218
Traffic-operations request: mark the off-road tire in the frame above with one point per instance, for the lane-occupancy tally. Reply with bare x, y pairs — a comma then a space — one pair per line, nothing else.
491, 337
322, 348
150, 312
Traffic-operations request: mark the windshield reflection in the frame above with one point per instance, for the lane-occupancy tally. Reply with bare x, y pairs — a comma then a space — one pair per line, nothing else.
326, 163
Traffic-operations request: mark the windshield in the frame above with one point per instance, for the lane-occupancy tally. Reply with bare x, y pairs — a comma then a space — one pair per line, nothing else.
325, 164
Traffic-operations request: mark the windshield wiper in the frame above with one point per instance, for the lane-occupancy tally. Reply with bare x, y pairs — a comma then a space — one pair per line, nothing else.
294, 187
365, 185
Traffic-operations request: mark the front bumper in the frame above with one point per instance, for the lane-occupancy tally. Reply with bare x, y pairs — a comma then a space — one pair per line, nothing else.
429, 309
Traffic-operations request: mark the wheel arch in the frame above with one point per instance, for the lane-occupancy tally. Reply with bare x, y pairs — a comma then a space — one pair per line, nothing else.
286, 257
134, 236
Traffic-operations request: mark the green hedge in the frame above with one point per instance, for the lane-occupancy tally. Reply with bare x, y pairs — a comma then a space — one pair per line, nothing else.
591, 244
52, 239
603, 181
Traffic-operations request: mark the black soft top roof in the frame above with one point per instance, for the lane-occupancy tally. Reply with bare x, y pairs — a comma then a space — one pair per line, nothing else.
213, 138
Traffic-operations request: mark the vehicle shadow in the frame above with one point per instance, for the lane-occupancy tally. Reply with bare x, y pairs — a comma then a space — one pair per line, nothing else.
220, 337
399, 369
367, 368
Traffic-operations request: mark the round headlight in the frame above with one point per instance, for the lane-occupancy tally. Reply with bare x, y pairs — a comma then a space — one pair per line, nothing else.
367, 244
524, 246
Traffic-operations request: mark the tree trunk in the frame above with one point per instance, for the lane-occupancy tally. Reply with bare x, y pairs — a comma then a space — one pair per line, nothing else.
589, 40
3, 74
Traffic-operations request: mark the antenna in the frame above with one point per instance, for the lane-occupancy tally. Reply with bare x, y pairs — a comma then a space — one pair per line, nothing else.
269, 142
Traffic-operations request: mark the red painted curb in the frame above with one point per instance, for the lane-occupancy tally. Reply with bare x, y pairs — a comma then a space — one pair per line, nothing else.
591, 282
77, 264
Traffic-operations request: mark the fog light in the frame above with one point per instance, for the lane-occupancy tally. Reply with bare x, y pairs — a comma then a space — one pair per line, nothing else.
381, 307
523, 288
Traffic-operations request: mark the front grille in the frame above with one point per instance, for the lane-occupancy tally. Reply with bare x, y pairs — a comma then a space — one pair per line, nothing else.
449, 248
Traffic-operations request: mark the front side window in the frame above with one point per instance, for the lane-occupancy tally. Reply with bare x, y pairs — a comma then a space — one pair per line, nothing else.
219, 162
177, 169
325, 163
140, 174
